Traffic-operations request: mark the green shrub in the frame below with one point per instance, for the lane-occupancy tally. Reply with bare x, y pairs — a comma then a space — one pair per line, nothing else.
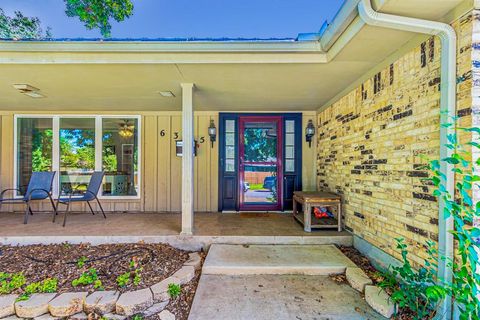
123, 279
10, 282
412, 289
174, 290
86, 278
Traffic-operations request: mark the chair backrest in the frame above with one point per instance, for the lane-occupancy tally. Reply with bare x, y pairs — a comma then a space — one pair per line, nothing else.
40, 180
95, 183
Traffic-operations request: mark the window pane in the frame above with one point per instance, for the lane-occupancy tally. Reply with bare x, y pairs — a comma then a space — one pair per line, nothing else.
34, 148
120, 156
77, 153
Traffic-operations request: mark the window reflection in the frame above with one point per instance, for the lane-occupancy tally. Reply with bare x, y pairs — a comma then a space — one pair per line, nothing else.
120, 156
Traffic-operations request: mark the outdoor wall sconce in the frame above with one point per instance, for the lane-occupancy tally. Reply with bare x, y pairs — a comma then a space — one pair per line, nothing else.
212, 132
309, 132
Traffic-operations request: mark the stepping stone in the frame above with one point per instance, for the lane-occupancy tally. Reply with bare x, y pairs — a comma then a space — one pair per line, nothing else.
79, 316
166, 315
156, 308
7, 305
185, 274
194, 260
226, 259
357, 278
67, 304
133, 302
101, 302
46, 316
35, 306
12, 318
160, 290
379, 300
112, 316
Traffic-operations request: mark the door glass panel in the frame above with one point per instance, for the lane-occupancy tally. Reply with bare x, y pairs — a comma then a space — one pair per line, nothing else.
77, 153
260, 163
289, 145
230, 145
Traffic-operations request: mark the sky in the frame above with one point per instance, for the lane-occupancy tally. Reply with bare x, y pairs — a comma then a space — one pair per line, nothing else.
191, 18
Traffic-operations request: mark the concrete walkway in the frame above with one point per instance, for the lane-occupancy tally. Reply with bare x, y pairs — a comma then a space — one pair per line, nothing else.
246, 282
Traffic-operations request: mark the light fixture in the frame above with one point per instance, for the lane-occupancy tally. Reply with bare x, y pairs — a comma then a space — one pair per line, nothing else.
309, 132
212, 132
167, 94
28, 90
126, 130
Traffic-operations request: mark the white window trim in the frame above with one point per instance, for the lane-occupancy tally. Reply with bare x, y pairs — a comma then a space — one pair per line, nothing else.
98, 149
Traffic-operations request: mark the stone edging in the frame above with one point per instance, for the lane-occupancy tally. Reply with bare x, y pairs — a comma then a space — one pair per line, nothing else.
76, 305
375, 296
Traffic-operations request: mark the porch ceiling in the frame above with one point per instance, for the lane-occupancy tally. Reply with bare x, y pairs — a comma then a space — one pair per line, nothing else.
128, 80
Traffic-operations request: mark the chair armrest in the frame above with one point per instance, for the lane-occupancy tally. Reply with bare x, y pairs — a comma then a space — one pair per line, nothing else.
10, 189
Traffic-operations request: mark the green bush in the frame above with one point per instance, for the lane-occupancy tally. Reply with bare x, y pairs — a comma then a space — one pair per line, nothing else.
174, 290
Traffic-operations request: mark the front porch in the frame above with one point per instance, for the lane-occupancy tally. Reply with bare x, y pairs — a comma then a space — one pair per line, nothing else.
252, 228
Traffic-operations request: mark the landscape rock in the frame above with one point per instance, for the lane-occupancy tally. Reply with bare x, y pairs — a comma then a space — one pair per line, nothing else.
379, 300
160, 290
79, 316
13, 317
46, 316
185, 274
357, 278
133, 302
156, 308
67, 304
35, 306
112, 316
166, 315
194, 260
7, 305
101, 302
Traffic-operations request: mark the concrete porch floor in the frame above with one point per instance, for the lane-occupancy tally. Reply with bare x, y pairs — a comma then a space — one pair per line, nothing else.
238, 228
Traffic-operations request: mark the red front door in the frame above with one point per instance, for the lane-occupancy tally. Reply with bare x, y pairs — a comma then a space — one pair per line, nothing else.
260, 170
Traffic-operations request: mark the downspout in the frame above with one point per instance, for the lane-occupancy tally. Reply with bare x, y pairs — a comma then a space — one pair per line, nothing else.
447, 110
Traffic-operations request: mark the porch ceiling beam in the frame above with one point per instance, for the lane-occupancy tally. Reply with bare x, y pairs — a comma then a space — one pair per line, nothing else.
187, 159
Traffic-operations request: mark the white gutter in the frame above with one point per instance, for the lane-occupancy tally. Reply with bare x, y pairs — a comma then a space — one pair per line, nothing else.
447, 110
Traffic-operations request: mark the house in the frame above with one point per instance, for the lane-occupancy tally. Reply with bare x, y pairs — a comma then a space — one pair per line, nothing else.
372, 85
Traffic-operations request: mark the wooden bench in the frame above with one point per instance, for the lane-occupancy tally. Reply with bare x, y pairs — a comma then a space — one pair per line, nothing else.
316, 199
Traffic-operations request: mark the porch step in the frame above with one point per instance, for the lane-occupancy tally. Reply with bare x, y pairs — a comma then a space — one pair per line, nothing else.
225, 259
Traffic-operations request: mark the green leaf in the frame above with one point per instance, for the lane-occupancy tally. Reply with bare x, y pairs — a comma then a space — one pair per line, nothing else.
451, 160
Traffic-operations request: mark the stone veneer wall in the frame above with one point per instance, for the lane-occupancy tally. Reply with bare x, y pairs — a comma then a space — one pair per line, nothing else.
370, 143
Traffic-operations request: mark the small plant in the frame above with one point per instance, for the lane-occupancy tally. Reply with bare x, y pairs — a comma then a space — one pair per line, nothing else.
174, 290
48, 285
123, 279
81, 261
86, 278
10, 282
98, 285
137, 278
137, 317
415, 290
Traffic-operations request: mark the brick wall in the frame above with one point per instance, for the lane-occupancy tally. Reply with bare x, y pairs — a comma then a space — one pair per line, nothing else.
371, 142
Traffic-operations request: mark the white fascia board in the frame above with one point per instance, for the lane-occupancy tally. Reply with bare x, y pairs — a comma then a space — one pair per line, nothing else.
160, 46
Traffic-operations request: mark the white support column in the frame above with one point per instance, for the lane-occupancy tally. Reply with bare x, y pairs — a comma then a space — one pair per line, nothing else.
187, 159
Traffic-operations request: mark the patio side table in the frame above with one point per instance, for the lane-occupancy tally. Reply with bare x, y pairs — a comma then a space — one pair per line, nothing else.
316, 199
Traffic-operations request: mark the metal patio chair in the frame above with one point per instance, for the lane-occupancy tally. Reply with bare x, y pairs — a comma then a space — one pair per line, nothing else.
39, 188
89, 195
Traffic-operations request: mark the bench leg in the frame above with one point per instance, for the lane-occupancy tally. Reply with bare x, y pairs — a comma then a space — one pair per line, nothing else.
307, 218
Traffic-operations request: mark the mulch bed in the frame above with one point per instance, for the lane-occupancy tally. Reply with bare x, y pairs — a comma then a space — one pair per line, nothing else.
158, 261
